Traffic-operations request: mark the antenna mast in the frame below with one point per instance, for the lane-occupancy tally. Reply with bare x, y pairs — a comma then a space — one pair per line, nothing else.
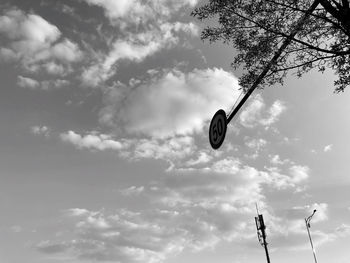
260, 227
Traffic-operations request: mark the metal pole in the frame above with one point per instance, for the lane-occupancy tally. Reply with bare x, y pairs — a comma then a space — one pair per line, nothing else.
260, 227
308, 231
265, 245
274, 59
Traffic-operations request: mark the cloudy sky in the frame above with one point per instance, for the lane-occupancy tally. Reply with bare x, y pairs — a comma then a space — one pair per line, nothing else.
105, 107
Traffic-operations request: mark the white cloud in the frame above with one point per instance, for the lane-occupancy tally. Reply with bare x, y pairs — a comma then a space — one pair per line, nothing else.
54, 69
274, 112
54, 84
66, 51
193, 211
295, 175
188, 208
51, 247
36, 43
202, 158
320, 215
16, 229
289, 231
227, 166
173, 103
189, 28
343, 230
40, 130
122, 49
18, 26
145, 29
29, 83
180, 152
170, 149
139, 10
276, 160
115, 9
92, 141
253, 115
126, 50
135, 47
78, 212
132, 190
328, 148
8, 55
299, 173
93, 221
256, 145
322, 212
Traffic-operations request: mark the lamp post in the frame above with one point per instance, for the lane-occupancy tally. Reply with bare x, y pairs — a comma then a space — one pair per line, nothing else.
307, 223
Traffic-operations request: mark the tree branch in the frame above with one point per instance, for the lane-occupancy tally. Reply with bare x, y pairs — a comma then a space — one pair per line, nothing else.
303, 64
312, 14
293, 39
337, 4
330, 9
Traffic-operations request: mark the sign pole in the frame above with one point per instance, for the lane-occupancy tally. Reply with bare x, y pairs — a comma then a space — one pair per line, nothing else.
216, 140
274, 59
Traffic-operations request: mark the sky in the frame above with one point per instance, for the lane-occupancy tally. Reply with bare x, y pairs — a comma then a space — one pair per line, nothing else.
104, 109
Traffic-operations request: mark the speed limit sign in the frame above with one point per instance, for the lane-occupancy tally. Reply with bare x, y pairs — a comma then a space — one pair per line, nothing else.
217, 129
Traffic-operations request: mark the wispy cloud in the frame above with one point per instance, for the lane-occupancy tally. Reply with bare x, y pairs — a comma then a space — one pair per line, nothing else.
276, 160
343, 230
41, 130
92, 141
134, 47
252, 115
185, 215
290, 178
132, 190
194, 209
145, 29
173, 150
328, 148
136, 11
25, 82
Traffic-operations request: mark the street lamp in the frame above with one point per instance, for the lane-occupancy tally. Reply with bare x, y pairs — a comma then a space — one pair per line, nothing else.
307, 223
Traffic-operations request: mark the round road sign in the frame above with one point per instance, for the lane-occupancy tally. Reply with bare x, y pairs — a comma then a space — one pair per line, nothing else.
217, 129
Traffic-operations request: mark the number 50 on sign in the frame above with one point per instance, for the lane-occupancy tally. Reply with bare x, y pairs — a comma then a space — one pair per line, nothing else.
217, 129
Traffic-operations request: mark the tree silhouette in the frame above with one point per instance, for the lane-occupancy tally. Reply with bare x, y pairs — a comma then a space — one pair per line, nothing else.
256, 29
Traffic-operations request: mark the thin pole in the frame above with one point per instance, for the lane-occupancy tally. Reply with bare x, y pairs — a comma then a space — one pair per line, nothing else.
260, 227
312, 246
274, 59
265, 245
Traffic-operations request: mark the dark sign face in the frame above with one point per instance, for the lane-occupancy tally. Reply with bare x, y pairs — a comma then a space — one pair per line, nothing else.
217, 129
